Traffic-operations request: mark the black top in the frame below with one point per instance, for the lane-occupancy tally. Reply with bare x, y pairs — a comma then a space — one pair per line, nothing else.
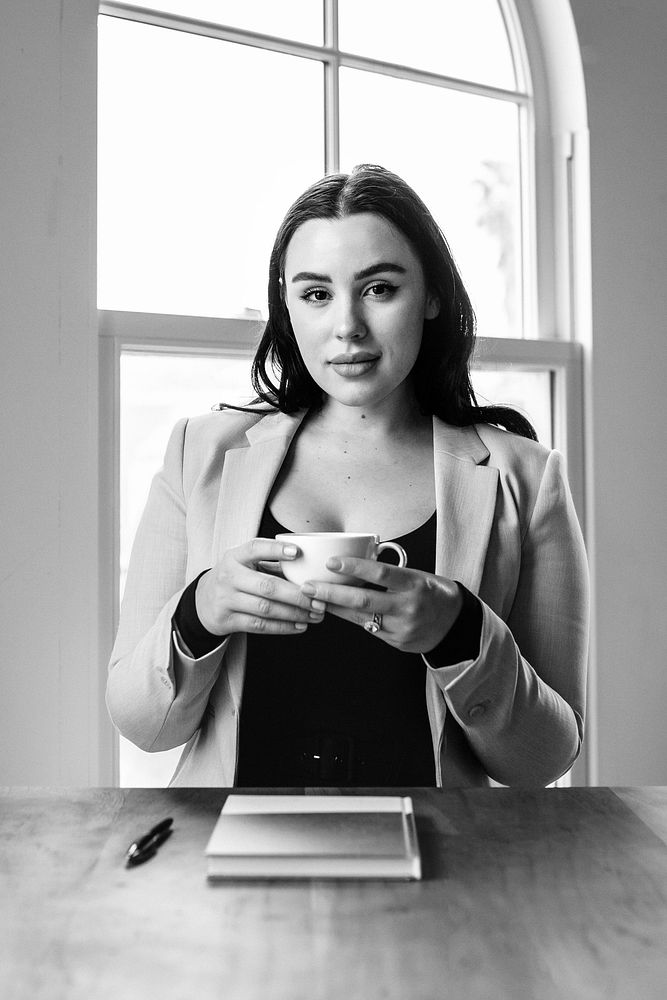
338, 683
335, 705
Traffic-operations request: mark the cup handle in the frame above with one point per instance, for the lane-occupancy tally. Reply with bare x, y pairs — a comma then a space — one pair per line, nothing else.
398, 549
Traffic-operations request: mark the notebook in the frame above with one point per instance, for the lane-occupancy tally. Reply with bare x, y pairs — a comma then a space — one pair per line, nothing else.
315, 836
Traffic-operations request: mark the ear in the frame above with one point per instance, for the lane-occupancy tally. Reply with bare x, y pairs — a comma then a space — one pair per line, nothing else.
432, 306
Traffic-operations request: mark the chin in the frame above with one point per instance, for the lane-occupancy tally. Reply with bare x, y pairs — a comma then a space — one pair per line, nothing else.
356, 395
363, 400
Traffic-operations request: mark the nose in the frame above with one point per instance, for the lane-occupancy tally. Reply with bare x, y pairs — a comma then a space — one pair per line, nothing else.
349, 322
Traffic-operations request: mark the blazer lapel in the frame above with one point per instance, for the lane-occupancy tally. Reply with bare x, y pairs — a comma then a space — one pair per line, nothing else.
465, 490
247, 477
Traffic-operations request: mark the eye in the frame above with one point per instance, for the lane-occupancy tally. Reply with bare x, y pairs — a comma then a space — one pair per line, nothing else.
381, 290
315, 295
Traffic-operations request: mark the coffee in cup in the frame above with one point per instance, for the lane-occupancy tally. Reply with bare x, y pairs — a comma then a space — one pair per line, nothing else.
315, 547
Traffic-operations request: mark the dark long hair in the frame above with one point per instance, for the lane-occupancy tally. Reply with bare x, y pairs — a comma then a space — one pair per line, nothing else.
441, 375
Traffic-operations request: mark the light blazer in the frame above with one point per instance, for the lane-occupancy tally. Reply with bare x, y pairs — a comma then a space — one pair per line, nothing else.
506, 529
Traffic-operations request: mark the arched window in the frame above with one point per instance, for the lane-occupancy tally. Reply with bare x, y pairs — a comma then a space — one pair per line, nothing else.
215, 114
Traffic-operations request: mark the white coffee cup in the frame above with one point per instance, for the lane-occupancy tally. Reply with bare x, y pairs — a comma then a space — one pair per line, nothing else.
315, 547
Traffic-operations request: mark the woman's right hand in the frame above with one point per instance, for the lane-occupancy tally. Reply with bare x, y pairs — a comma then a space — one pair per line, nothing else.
234, 596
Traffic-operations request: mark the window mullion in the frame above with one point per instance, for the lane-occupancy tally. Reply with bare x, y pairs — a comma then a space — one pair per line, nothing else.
331, 89
528, 225
529, 322
331, 117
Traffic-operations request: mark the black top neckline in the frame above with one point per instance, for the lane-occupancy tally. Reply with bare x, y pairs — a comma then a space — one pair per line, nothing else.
273, 520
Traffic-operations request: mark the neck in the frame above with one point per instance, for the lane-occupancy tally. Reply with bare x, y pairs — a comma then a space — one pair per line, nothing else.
392, 419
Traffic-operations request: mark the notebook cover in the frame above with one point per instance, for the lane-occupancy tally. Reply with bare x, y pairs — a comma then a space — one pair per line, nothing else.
308, 834
291, 835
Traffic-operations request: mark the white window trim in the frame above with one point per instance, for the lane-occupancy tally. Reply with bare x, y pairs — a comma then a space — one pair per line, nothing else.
333, 58
562, 275
564, 278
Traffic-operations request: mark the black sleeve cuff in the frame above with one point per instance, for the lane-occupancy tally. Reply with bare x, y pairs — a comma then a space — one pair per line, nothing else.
198, 639
463, 639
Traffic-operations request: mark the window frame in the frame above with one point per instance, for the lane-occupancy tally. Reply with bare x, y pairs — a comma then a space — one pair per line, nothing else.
555, 261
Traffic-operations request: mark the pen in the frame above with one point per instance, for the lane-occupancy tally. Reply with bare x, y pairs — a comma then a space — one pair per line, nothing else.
145, 847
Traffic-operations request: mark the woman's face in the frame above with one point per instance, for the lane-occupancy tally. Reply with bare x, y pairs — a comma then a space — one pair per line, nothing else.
357, 299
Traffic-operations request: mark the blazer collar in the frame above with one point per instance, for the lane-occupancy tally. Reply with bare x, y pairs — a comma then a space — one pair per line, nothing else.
459, 442
275, 425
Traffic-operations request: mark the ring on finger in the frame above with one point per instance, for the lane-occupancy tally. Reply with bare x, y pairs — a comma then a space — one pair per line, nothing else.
374, 624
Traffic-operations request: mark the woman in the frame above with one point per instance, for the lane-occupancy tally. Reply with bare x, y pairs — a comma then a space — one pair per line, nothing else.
467, 664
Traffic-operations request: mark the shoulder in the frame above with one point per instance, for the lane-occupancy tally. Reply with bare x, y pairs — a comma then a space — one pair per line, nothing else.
512, 453
206, 439
486, 444
528, 470
524, 466
224, 430
220, 429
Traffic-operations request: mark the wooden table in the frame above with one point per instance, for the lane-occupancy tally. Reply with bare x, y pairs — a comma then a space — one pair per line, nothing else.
557, 893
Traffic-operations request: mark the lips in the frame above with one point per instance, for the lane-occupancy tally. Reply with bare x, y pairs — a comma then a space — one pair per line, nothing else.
354, 365
353, 359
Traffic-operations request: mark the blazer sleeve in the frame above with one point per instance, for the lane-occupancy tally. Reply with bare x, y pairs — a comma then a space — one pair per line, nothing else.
521, 702
156, 692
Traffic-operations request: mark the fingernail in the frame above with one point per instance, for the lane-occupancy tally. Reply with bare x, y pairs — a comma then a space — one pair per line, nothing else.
334, 564
290, 550
317, 616
308, 589
318, 605
301, 626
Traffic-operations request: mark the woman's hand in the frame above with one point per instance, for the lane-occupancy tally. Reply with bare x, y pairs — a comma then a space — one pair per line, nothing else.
417, 609
234, 596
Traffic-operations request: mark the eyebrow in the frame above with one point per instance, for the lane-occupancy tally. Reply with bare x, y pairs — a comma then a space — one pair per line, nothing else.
381, 268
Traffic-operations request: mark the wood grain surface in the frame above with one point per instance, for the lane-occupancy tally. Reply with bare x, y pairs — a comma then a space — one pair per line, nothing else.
555, 893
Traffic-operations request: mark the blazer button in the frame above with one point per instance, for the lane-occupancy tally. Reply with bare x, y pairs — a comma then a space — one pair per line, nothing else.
477, 710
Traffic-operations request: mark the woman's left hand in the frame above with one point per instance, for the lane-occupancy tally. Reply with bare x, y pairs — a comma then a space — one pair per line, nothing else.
416, 609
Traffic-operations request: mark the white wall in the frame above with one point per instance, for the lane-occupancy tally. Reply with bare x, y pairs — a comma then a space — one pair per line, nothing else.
623, 49
49, 686
51, 672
